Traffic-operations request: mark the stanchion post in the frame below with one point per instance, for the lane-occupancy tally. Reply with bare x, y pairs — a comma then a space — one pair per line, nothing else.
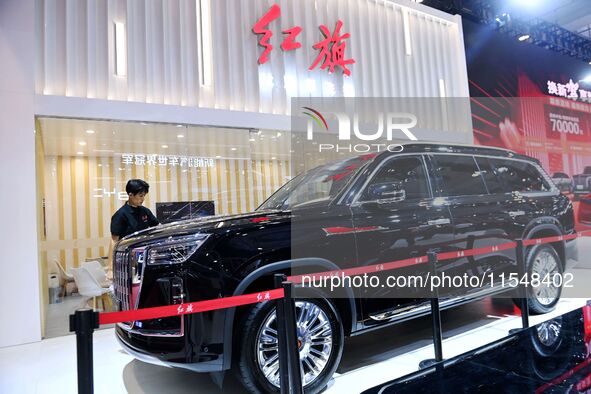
282, 337
521, 270
83, 322
293, 353
435, 317
435, 312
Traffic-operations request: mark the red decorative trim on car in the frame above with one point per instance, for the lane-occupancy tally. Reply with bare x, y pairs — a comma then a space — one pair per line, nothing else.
349, 230
261, 219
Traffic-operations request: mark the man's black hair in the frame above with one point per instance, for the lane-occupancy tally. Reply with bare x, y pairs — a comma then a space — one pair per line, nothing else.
135, 186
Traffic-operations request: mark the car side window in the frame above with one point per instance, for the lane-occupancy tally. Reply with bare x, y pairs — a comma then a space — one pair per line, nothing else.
490, 176
520, 176
407, 172
460, 175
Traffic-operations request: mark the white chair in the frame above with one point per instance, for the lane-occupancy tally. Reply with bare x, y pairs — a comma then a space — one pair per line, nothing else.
88, 286
65, 279
96, 269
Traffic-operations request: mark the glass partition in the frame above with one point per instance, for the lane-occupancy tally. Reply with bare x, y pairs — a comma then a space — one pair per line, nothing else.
192, 171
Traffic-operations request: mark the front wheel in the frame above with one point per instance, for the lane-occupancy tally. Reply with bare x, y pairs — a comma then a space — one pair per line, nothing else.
544, 262
320, 344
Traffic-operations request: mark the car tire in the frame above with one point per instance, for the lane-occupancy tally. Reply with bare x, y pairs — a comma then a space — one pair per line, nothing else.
543, 260
256, 329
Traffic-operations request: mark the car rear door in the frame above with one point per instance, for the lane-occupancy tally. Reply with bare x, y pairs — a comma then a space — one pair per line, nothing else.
407, 226
477, 204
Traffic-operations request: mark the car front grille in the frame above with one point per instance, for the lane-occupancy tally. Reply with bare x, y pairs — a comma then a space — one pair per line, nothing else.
122, 280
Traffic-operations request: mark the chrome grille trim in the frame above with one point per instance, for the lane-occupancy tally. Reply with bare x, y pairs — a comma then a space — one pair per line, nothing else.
124, 271
122, 280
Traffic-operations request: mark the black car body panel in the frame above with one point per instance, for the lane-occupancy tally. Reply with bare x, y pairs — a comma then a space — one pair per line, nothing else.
239, 253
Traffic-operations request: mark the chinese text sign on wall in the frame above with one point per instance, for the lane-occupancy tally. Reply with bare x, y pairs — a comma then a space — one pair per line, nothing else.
162, 160
331, 49
569, 90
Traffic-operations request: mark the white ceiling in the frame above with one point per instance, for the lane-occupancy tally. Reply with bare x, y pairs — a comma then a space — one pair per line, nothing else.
69, 137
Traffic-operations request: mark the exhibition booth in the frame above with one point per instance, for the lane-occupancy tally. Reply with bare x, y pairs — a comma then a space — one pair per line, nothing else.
316, 170
168, 87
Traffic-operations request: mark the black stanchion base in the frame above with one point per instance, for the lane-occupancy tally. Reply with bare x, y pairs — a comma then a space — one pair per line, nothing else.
428, 363
515, 330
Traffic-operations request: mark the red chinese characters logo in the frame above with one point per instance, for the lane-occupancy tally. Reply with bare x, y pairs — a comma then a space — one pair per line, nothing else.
260, 27
331, 49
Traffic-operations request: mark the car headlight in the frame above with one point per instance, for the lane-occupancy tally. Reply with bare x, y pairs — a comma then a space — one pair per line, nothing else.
175, 250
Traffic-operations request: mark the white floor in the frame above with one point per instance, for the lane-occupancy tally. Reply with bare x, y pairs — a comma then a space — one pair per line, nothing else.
57, 323
49, 366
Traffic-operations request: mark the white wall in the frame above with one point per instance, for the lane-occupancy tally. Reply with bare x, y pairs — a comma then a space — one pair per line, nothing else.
401, 49
19, 282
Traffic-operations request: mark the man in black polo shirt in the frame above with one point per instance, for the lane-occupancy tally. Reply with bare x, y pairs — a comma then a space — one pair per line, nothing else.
132, 216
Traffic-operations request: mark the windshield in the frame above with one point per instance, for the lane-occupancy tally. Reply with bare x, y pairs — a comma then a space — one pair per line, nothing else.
319, 184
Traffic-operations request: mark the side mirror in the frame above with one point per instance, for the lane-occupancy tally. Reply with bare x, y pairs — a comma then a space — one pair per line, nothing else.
384, 193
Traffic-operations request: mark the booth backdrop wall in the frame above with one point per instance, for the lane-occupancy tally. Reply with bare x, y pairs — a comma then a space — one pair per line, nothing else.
58, 60
401, 49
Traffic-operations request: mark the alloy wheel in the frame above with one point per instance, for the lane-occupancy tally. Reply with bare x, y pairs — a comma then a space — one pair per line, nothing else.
546, 266
315, 343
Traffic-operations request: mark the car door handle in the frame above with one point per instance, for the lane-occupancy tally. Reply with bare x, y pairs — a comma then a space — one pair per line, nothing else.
438, 221
516, 213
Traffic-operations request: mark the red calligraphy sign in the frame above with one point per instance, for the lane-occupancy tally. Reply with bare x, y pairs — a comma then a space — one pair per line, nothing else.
260, 27
290, 43
332, 50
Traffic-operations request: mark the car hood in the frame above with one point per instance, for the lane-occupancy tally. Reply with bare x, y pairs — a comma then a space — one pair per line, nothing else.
204, 224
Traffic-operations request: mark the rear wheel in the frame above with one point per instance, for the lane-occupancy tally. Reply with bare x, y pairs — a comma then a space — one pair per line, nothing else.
544, 262
320, 344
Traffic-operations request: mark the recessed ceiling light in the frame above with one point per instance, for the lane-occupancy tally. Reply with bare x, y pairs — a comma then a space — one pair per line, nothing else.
82, 143
164, 146
251, 139
80, 153
233, 148
89, 131
180, 136
218, 157
273, 158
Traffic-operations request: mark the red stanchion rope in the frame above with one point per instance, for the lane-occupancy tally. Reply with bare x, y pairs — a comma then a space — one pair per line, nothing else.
189, 308
369, 269
557, 238
253, 298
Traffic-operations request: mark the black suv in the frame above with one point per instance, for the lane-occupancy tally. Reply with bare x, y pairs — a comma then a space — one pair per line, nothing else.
366, 210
